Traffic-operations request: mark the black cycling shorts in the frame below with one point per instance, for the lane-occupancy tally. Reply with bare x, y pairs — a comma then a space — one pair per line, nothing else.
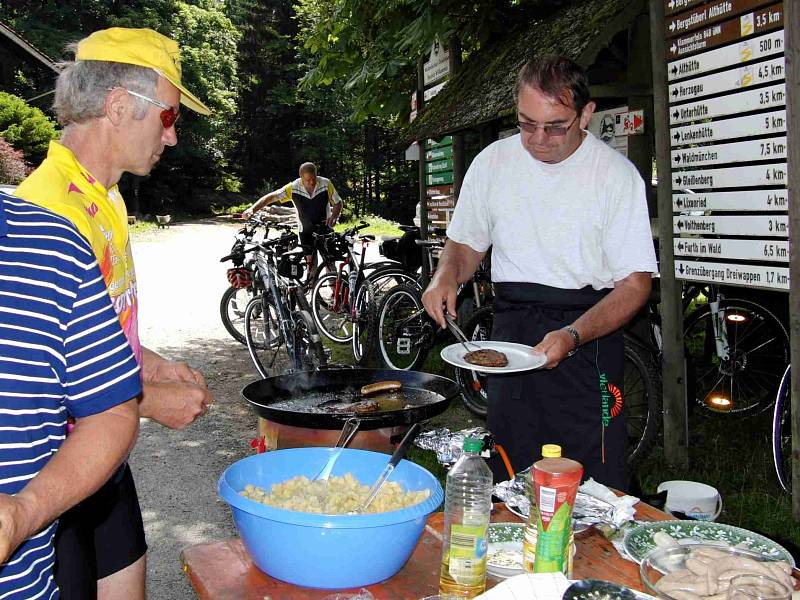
99, 537
307, 236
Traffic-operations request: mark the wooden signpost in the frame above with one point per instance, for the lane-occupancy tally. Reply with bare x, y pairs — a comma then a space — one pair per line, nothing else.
727, 162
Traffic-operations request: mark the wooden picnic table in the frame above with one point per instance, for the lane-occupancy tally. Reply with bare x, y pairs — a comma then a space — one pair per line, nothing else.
223, 570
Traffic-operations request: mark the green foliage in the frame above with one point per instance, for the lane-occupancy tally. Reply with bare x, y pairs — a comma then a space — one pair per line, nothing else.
24, 127
374, 45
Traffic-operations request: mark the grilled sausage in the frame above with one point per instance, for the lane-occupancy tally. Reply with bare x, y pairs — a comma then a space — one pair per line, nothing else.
380, 386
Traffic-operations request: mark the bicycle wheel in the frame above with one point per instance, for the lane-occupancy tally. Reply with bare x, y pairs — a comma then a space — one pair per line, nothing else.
387, 278
363, 323
308, 351
403, 330
473, 384
758, 347
262, 333
782, 432
231, 310
330, 307
642, 399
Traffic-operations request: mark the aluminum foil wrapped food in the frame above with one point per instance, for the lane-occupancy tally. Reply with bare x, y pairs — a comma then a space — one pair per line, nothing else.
447, 444
587, 511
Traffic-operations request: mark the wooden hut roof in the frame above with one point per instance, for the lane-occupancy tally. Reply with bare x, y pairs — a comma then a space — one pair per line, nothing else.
483, 88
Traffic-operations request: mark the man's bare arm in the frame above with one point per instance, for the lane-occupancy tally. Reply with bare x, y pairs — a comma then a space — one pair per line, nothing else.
611, 313
96, 447
456, 265
259, 204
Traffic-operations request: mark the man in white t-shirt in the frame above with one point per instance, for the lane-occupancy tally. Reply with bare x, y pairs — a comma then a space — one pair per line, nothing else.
572, 259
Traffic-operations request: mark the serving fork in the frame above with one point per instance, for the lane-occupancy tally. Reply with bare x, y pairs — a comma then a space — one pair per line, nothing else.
456, 331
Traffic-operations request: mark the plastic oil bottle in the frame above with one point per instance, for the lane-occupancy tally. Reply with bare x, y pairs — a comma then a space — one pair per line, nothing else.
467, 506
549, 540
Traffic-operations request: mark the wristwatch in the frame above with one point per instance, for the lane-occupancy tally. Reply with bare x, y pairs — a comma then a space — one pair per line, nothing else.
576, 339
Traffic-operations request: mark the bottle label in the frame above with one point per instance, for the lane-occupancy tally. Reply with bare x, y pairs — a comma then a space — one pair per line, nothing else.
554, 528
468, 553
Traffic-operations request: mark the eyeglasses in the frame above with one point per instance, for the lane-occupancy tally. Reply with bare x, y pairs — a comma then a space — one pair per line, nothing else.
168, 116
549, 130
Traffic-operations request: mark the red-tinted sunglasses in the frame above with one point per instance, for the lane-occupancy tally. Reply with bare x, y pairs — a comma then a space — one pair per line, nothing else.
168, 116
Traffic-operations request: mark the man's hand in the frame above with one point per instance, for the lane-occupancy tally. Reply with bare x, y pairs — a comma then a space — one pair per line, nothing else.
174, 393
247, 213
331, 221
174, 404
439, 294
16, 524
156, 368
556, 345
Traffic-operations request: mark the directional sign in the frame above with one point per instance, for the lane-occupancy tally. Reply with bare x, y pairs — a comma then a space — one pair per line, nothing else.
673, 6
749, 226
442, 190
443, 178
746, 151
445, 141
438, 64
439, 153
733, 274
769, 174
710, 13
751, 200
768, 97
439, 165
762, 20
431, 92
726, 81
764, 250
727, 129
756, 48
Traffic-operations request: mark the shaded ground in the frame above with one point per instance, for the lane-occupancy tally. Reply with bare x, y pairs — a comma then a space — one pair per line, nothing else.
180, 283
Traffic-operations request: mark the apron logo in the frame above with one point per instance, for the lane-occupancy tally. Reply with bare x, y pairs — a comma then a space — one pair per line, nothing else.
611, 400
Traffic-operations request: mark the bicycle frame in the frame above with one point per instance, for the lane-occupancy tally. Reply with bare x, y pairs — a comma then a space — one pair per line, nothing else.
268, 273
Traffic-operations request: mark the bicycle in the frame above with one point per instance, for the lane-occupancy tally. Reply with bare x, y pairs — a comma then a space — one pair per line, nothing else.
280, 317
244, 286
782, 432
405, 333
735, 351
343, 303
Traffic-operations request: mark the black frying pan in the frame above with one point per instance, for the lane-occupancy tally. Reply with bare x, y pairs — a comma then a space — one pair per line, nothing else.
295, 399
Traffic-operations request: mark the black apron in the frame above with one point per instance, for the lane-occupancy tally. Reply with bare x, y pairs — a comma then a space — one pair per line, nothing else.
577, 405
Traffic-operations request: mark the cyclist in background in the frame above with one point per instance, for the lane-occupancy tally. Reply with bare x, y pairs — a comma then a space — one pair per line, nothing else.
316, 201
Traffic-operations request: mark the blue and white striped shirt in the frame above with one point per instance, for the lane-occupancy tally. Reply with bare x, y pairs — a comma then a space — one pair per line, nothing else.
62, 352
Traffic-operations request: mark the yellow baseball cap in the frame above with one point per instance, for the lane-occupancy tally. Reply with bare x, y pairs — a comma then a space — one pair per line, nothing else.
143, 47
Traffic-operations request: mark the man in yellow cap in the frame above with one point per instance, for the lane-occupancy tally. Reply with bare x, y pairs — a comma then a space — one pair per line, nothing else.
118, 102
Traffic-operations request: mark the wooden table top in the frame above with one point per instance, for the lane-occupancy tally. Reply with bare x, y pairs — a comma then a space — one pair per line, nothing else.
223, 570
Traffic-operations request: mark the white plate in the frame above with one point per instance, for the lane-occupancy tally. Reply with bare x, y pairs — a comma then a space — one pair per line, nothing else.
520, 356
504, 555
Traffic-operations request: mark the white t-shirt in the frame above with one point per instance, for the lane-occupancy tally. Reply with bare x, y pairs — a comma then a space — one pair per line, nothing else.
582, 221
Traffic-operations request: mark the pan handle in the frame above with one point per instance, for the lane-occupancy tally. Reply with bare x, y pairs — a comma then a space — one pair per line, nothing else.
348, 432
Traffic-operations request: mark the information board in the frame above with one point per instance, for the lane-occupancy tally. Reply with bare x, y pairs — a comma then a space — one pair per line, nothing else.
727, 113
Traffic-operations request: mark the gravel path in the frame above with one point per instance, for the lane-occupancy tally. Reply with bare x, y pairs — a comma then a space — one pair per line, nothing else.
180, 281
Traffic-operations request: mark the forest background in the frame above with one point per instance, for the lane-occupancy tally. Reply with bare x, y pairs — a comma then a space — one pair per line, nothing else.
327, 81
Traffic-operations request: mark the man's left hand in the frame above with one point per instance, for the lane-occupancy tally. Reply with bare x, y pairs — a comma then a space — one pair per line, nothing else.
556, 345
331, 221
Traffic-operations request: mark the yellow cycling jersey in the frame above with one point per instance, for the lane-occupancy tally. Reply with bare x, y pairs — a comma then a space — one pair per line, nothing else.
64, 186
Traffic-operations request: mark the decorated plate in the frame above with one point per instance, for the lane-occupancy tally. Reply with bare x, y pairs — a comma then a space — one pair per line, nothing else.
520, 357
596, 589
504, 556
639, 540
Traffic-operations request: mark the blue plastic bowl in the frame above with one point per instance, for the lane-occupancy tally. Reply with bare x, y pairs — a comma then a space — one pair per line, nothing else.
326, 551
